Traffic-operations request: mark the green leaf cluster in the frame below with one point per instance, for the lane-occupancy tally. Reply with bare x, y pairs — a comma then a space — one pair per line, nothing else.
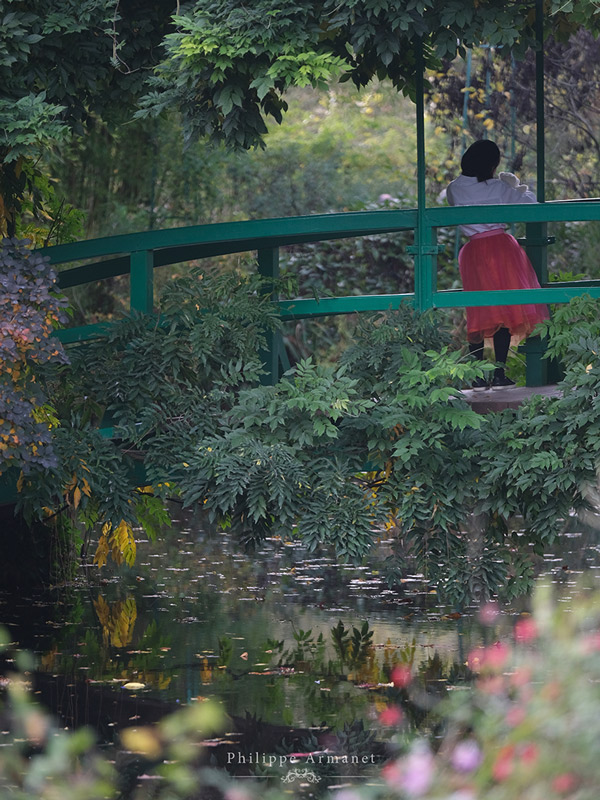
332, 455
227, 67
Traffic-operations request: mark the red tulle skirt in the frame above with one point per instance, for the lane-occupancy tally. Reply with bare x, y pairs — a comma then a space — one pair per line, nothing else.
495, 260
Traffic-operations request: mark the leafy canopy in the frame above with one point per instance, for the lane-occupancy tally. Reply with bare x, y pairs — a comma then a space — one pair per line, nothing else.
228, 66
224, 66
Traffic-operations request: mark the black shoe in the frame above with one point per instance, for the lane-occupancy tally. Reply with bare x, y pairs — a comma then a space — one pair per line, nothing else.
479, 384
501, 382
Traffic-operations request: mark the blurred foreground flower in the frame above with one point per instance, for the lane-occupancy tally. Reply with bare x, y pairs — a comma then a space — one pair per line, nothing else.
530, 728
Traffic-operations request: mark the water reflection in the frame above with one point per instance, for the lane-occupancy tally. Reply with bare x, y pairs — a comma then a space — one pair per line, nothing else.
295, 646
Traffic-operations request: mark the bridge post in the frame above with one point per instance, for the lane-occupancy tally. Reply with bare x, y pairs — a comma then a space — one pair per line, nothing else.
268, 267
425, 247
536, 369
141, 281
536, 247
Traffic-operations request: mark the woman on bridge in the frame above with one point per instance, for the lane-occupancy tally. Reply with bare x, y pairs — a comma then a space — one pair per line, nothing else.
492, 258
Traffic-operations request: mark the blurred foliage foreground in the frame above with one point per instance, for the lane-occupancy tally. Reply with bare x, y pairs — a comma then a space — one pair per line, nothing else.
527, 728
331, 455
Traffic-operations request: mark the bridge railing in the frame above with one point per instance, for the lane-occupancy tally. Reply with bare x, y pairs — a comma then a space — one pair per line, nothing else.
139, 254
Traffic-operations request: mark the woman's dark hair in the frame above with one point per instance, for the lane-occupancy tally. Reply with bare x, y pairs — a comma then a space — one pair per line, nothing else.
480, 160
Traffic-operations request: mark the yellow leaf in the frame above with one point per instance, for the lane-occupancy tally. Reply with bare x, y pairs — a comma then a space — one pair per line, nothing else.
101, 553
102, 610
76, 496
123, 544
124, 617
141, 740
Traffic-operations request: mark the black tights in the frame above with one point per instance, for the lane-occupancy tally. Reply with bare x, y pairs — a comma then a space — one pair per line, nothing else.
501, 345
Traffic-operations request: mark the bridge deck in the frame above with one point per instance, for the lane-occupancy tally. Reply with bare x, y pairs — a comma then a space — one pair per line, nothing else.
499, 399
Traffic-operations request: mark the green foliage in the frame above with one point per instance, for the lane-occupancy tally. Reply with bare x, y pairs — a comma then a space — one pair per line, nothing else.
205, 349
36, 36
500, 103
29, 125
227, 68
332, 455
50, 91
573, 332
354, 648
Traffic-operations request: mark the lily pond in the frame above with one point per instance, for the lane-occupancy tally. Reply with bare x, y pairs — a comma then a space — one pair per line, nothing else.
305, 655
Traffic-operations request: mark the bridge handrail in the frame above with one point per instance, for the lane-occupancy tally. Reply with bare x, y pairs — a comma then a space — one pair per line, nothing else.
318, 227
138, 254
272, 232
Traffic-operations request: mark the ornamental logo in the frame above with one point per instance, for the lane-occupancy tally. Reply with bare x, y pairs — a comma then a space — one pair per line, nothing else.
301, 774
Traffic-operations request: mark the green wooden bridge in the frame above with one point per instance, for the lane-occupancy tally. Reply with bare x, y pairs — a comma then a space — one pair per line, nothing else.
138, 255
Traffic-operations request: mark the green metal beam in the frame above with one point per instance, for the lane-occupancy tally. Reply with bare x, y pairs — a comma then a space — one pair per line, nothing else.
555, 211
254, 234
83, 333
114, 267
371, 223
425, 272
326, 306
98, 271
557, 294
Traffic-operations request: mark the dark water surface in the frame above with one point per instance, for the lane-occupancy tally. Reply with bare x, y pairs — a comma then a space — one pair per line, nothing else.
195, 619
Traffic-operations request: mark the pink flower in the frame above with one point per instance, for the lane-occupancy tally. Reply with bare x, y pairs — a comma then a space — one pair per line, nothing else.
491, 658
591, 642
489, 613
475, 659
413, 774
563, 783
525, 630
391, 716
496, 655
504, 764
466, 756
529, 754
515, 716
401, 676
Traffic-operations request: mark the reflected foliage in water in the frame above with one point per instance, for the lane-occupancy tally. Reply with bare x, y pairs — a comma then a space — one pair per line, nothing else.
303, 654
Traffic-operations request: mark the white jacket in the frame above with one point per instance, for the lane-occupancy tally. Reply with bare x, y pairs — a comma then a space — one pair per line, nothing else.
465, 191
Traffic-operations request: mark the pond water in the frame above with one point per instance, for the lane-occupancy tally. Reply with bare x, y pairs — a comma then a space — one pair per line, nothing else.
295, 646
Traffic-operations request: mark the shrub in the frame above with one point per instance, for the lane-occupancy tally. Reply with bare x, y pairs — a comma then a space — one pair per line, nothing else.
29, 311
